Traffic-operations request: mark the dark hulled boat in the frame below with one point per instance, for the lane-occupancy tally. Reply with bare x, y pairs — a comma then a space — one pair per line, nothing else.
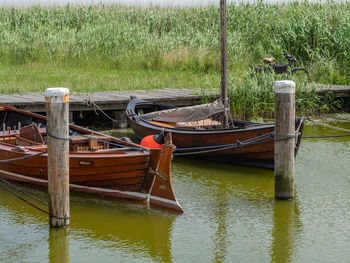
197, 131
99, 163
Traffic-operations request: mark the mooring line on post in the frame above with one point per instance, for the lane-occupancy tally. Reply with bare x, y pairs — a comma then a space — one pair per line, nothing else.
57, 137
26, 201
252, 141
57, 111
89, 101
284, 153
326, 136
327, 125
23, 192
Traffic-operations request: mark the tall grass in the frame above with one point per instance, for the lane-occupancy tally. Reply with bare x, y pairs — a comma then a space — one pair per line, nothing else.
184, 39
188, 38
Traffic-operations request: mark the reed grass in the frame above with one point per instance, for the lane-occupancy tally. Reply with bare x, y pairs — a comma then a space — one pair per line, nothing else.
86, 44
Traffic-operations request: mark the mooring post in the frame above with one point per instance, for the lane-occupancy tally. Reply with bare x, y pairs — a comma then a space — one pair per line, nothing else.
284, 139
57, 111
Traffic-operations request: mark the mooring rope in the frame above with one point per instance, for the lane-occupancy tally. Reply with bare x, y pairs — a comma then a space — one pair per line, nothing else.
23, 192
92, 138
21, 198
90, 101
338, 118
57, 137
252, 141
264, 136
22, 158
26, 201
326, 136
328, 126
110, 143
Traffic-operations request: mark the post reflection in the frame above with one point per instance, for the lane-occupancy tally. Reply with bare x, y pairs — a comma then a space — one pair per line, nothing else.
286, 227
220, 237
59, 245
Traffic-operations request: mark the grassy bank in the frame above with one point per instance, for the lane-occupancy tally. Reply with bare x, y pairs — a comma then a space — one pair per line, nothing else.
114, 47
36, 77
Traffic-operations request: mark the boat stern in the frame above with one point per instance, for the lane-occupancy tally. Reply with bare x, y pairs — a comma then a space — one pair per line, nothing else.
161, 192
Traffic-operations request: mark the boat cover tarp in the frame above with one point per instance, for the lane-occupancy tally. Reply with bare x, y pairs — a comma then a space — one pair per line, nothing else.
186, 114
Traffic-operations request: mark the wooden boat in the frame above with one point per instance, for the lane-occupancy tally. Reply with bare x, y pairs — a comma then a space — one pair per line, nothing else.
99, 163
196, 131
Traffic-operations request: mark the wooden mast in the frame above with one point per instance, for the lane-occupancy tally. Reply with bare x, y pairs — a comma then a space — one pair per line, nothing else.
224, 96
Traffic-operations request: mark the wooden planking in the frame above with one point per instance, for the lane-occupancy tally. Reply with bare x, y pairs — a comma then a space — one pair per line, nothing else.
337, 90
106, 100
118, 100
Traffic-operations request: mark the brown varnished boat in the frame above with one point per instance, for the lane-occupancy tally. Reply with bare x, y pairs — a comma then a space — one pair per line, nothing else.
99, 163
197, 132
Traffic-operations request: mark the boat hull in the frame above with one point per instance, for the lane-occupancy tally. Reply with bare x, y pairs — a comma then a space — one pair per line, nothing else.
120, 170
252, 145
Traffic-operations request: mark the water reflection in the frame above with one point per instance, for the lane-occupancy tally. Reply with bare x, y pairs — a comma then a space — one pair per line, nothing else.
286, 225
220, 238
226, 203
231, 216
59, 245
123, 227
241, 181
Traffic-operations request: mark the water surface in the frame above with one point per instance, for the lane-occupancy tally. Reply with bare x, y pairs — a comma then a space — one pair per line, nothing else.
231, 216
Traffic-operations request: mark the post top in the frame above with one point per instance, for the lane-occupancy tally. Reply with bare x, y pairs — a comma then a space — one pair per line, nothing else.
284, 86
56, 92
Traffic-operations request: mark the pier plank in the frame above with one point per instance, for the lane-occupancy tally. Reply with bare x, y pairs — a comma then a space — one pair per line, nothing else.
117, 100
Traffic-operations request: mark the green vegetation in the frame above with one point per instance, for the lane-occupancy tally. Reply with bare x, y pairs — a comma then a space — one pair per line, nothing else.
115, 47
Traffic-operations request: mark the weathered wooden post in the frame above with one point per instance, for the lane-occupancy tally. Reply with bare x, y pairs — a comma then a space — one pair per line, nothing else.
285, 140
57, 110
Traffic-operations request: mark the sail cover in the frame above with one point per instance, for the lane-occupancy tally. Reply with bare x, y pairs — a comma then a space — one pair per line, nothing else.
186, 114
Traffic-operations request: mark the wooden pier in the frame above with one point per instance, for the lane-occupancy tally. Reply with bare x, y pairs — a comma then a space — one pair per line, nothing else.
106, 100
339, 91
84, 107
115, 102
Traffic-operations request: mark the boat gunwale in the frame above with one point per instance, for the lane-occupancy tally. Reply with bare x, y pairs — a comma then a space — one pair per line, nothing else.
73, 126
7, 147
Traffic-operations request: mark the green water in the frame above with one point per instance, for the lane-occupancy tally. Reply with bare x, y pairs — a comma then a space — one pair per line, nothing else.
231, 216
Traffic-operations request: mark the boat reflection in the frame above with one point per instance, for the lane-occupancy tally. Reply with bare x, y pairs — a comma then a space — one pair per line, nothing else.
126, 227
